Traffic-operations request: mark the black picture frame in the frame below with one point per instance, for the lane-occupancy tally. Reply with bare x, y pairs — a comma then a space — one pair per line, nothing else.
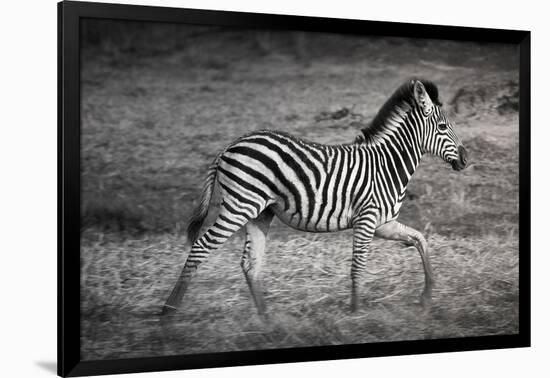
69, 17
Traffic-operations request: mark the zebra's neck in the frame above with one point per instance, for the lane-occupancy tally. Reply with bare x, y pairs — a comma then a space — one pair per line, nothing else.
395, 152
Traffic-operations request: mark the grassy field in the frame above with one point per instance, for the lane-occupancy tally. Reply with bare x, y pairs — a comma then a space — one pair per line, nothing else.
154, 114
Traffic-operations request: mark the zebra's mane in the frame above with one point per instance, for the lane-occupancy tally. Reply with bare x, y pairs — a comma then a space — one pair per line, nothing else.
403, 94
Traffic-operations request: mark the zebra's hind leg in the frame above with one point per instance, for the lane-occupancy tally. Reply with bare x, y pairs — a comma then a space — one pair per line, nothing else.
394, 230
252, 260
229, 220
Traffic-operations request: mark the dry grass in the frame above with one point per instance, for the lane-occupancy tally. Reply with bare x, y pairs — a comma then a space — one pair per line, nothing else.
140, 176
307, 284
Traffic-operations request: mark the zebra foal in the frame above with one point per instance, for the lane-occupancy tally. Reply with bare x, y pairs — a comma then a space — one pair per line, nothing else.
324, 188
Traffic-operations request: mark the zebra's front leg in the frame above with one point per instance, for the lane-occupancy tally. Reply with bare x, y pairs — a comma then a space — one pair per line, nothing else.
394, 230
253, 255
363, 232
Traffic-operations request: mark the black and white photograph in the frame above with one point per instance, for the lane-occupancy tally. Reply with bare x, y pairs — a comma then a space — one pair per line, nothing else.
256, 189
213, 189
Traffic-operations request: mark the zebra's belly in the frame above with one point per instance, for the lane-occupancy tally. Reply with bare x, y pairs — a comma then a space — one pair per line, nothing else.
315, 223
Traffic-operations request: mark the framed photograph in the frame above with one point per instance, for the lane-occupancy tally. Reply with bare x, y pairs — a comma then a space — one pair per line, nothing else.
239, 188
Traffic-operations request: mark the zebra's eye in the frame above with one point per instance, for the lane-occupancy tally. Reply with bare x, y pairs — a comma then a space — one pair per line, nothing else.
442, 126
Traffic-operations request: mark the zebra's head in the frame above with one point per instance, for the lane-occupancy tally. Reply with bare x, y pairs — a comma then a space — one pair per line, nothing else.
439, 137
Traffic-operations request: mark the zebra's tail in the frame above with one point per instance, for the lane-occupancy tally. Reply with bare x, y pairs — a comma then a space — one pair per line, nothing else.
201, 211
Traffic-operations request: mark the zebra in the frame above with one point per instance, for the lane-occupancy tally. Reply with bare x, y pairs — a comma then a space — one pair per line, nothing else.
324, 188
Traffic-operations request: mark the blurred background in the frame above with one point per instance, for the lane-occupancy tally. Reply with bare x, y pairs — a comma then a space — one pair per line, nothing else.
159, 101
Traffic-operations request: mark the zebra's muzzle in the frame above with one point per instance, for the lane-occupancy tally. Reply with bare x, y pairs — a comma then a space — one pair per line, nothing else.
460, 163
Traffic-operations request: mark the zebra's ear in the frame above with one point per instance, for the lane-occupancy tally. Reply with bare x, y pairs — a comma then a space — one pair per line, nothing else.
422, 98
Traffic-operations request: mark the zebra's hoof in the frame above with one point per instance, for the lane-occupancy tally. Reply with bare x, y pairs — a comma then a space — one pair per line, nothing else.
265, 317
168, 310
426, 300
